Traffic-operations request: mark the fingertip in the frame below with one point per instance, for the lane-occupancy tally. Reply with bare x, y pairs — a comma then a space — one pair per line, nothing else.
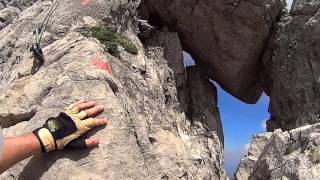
105, 121
92, 142
101, 107
92, 102
96, 142
101, 122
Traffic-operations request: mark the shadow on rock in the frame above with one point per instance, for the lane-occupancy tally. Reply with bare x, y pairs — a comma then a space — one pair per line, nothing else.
38, 165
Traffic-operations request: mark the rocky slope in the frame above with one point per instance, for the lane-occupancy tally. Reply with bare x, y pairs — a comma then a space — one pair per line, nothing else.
163, 120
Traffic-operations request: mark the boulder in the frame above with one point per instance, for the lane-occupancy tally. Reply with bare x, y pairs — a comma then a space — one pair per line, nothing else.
225, 37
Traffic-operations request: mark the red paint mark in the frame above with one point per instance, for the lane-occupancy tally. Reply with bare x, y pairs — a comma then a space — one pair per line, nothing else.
85, 2
101, 65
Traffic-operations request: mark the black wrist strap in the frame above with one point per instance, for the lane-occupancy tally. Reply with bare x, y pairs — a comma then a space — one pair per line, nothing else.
36, 133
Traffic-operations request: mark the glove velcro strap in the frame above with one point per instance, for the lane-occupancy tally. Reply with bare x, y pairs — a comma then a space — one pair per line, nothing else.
46, 140
60, 126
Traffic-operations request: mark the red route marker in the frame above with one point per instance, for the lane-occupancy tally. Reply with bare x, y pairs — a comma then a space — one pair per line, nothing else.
85, 2
100, 64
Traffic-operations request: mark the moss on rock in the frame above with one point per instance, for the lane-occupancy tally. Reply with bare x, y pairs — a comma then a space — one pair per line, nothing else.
111, 40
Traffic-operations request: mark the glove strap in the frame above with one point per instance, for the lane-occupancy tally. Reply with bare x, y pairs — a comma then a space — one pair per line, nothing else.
46, 140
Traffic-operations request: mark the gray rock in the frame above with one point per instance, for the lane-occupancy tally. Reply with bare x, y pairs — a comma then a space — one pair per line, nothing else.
21, 4
301, 7
164, 120
4, 2
205, 120
9, 14
145, 96
225, 37
291, 68
2, 25
247, 163
281, 158
203, 110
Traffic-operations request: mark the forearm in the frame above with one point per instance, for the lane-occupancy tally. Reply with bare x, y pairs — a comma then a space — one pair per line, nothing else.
17, 149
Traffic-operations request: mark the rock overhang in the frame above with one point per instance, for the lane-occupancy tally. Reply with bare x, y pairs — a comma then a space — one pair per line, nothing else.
226, 38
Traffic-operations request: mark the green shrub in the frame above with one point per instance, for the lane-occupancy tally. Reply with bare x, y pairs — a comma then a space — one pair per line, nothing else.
111, 40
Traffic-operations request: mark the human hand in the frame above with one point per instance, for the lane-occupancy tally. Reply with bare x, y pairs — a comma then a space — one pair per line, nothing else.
68, 128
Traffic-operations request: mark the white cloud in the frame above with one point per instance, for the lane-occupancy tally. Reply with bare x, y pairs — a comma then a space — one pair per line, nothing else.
289, 4
246, 148
264, 124
188, 61
232, 159
264, 97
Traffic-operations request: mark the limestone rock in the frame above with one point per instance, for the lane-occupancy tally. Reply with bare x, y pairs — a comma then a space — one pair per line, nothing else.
145, 97
247, 163
301, 7
205, 120
291, 68
203, 110
8, 15
21, 4
291, 154
225, 37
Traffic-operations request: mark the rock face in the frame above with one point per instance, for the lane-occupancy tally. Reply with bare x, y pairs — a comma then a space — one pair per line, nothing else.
290, 76
291, 154
248, 162
164, 120
226, 38
291, 68
203, 109
147, 97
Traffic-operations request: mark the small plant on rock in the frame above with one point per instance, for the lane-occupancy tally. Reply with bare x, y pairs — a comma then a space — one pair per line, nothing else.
111, 40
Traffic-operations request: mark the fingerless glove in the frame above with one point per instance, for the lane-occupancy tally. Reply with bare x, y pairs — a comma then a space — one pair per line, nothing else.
65, 130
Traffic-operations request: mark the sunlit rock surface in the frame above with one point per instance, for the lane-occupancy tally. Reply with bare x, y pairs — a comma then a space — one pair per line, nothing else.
146, 96
291, 154
164, 119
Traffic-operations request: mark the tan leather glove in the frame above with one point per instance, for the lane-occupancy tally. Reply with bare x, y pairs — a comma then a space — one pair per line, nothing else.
66, 130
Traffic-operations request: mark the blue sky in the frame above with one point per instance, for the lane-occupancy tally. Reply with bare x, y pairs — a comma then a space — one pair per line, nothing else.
240, 121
